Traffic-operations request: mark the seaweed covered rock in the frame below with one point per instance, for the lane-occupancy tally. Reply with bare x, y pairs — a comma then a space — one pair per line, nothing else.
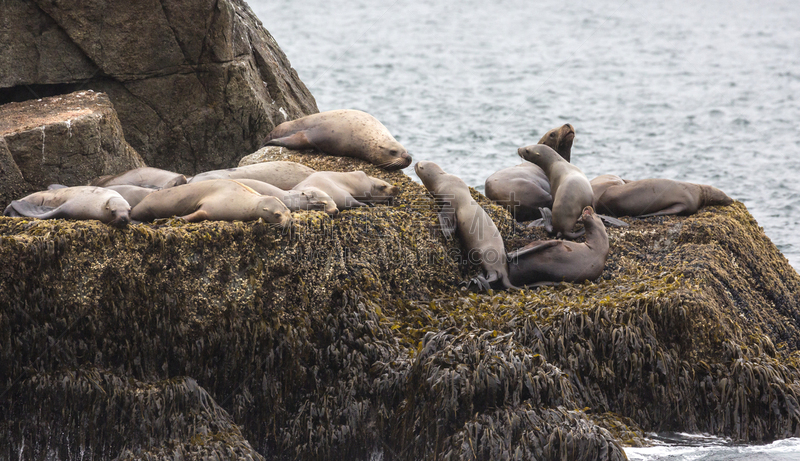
349, 337
196, 83
67, 139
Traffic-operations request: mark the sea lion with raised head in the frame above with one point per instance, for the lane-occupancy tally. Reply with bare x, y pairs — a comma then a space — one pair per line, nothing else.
143, 177
351, 189
79, 202
309, 198
284, 175
523, 189
344, 133
658, 197
552, 261
476, 230
570, 188
216, 200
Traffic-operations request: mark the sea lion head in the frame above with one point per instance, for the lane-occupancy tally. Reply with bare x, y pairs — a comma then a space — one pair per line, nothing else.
272, 210
428, 172
120, 212
382, 191
540, 154
560, 140
391, 155
319, 200
178, 180
713, 196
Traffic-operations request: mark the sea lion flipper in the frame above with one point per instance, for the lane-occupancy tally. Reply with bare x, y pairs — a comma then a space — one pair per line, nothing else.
447, 220
297, 141
199, 215
534, 249
547, 219
20, 208
612, 222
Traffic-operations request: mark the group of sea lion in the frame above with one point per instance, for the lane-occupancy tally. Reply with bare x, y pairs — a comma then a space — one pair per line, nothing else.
545, 186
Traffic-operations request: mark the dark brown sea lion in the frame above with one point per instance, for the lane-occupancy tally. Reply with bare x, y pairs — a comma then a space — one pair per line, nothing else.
476, 230
571, 190
80, 202
552, 261
284, 175
344, 133
143, 177
523, 189
351, 189
217, 200
309, 198
658, 197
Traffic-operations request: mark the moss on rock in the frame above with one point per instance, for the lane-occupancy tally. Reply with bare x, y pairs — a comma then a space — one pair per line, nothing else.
350, 336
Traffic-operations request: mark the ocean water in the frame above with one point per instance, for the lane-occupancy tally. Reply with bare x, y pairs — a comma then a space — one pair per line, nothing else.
707, 92
699, 91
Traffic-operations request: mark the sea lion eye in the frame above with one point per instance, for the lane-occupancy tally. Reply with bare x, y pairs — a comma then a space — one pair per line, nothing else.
552, 135
393, 152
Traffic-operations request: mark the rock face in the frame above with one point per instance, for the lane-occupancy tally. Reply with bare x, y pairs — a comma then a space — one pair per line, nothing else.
67, 139
349, 338
196, 83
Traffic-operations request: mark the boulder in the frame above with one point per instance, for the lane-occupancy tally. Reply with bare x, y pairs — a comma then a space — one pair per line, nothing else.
350, 338
196, 83
68, 139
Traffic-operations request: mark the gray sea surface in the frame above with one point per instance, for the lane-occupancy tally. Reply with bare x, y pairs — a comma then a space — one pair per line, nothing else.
700, 91
707, 92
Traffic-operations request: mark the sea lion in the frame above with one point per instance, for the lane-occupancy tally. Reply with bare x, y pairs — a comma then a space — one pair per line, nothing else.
571, 189
284, 175
344, 133
601, 183
350, 189
310, 198
523, 189
549, 261
476, 230
132, 194
219, 200
79, 202
143, 177
658, 197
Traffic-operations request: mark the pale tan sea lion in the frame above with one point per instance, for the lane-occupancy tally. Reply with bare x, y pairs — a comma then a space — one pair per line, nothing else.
549, 261
351, 189
309, 198
143, 177
601, 183
132, 194
659, 197
217, 200
80, 202
284, 175
571, 189
476, 230
524, 188
344, 133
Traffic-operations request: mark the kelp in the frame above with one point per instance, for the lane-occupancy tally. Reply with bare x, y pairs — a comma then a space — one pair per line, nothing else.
350, 337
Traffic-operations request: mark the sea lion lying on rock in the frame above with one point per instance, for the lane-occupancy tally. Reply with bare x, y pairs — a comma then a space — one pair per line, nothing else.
350, 189
524, 188
655, 197
132, 194
309, 198
570, 188
216, 200
552, 261
143, 177
284, 175
476, 230
79, 202
344, 133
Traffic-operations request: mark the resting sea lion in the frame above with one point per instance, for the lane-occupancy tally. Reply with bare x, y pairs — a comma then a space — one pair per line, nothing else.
132, 194
601, 183
310, 198
218, 200
80, 202
523, 189
570, 188
551, 261
344, 133
284, 175
658, 197
143, 177
461, 213
351, 189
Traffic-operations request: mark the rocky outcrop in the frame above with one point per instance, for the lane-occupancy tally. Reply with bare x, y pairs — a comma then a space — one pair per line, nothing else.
196, 83
67, 139
349, 337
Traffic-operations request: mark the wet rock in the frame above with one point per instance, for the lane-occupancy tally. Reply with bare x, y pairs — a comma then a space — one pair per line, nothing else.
67, 139
196, 83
